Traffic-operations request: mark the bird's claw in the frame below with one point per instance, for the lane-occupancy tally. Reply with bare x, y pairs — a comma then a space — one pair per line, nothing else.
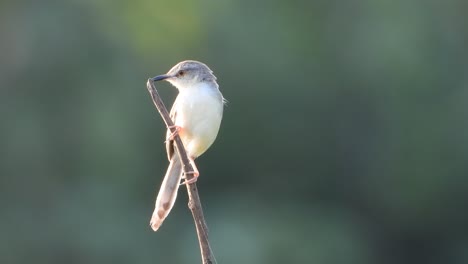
194, 179
173, 134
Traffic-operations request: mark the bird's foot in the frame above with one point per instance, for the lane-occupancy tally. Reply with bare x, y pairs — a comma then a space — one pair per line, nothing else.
173, 134
194, 179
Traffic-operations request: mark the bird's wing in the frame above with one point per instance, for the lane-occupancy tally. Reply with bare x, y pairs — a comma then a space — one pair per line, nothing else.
170, 143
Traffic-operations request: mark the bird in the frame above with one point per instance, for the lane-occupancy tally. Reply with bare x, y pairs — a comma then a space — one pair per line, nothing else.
197, 113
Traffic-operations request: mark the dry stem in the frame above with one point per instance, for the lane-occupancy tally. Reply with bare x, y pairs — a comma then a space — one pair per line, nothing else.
194, 199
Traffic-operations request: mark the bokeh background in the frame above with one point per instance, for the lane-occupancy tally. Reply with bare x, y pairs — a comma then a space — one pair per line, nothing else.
344, 140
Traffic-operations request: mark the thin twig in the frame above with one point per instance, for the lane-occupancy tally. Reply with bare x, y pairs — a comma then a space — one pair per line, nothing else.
194, 199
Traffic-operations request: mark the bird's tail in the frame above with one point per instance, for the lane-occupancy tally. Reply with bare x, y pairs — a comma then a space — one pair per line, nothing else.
168, 192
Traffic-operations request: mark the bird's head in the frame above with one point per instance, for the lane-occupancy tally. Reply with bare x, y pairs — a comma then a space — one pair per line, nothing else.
187, 73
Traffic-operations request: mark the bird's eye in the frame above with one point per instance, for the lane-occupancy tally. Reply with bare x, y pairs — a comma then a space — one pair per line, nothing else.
181, 73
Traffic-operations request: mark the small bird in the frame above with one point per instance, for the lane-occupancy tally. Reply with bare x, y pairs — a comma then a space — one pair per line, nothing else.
196, 113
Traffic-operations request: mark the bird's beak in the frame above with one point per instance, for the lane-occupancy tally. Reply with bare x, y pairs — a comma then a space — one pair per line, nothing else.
161, 77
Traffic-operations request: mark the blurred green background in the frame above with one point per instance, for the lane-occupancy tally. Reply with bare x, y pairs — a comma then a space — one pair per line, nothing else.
344, 140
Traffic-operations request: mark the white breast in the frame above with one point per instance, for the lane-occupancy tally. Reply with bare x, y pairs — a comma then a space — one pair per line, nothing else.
199, 113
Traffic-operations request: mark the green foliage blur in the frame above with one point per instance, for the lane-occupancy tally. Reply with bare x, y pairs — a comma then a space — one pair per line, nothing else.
344, 140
